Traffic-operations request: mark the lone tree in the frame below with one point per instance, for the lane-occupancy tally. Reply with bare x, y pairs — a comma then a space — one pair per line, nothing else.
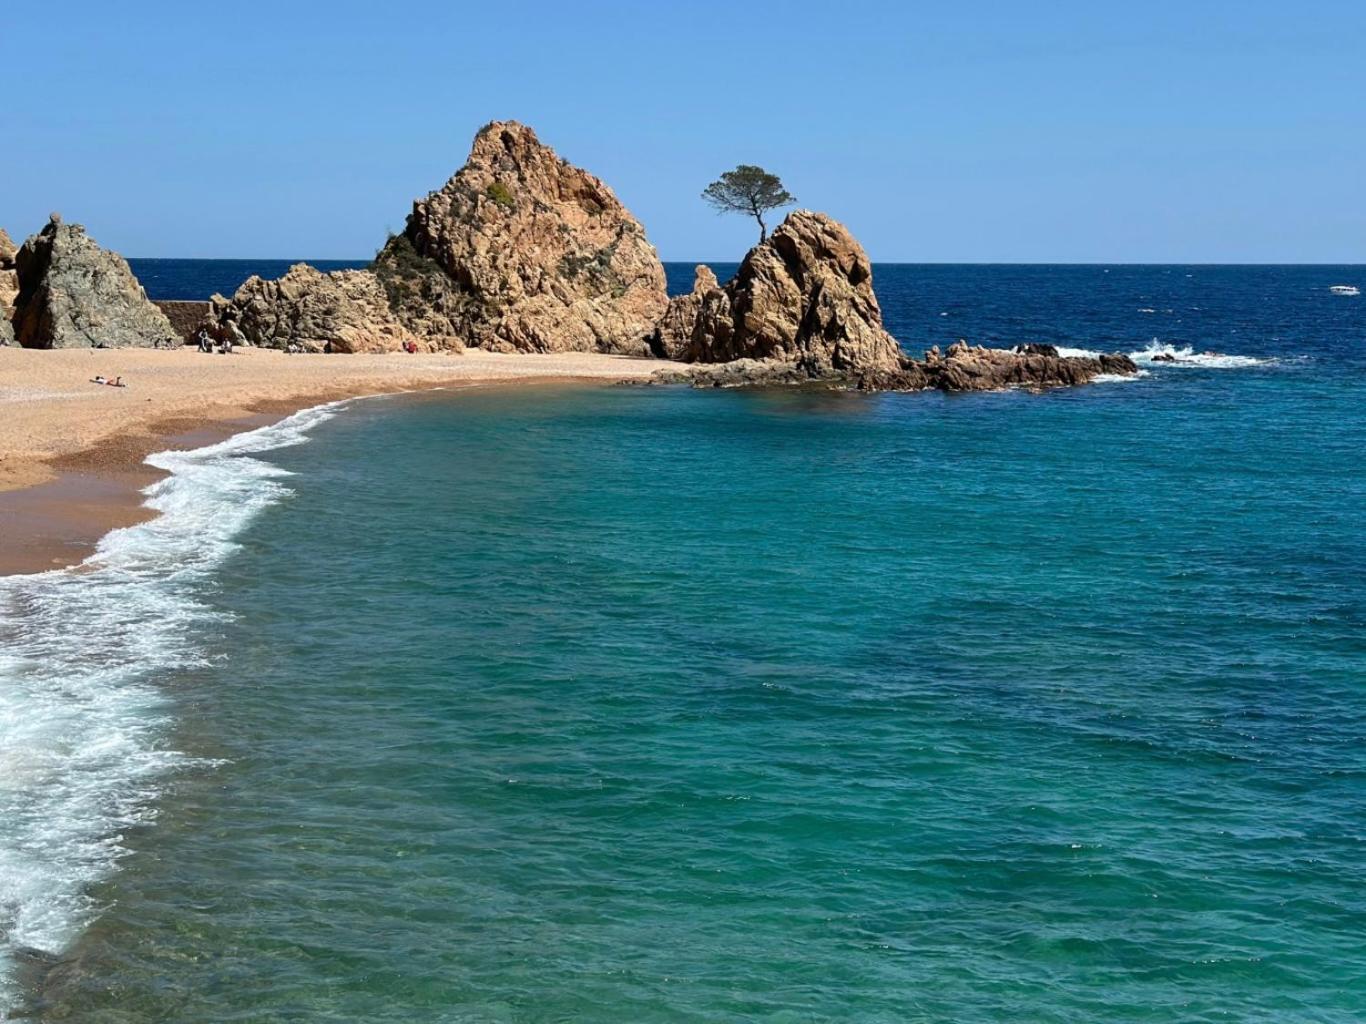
748, 189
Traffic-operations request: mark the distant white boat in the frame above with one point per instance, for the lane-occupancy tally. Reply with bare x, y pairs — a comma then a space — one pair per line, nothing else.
1345, 289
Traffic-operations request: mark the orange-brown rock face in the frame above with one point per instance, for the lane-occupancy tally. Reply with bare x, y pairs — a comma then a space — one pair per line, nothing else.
9, 286
344, 311
538, 256
804, 296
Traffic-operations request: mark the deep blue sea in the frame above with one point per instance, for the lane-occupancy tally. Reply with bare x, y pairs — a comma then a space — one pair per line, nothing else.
623, 704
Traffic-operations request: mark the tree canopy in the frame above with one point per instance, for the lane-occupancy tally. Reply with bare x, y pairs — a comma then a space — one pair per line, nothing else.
750, 190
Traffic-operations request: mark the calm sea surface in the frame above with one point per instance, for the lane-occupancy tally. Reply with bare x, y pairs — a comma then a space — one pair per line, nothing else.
633, 705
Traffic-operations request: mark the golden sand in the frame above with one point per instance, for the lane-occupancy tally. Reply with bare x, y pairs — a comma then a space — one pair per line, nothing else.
71, 451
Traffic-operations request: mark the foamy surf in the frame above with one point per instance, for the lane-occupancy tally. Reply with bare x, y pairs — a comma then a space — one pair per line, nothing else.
84, 728
1159, 354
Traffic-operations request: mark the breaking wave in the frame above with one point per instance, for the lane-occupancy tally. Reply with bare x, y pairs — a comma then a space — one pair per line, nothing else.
85, 726
1159, 354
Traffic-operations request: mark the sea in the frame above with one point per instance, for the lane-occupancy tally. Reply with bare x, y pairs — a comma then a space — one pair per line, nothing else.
633, 704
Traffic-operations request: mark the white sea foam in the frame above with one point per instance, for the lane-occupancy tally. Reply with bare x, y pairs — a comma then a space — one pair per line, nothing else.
84, 727
1188, 357
1182, 356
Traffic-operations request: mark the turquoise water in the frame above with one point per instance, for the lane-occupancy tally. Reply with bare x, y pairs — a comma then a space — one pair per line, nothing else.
621, 704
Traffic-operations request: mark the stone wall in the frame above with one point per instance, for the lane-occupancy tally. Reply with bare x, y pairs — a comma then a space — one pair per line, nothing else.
186, 317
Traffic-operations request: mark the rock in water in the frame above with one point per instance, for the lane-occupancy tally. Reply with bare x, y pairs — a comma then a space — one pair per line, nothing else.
801, 309
964, 367
9, 287
74, 294
803, 296
344, 311
522, 251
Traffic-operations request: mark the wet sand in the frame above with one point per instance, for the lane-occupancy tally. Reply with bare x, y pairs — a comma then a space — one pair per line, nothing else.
72, 451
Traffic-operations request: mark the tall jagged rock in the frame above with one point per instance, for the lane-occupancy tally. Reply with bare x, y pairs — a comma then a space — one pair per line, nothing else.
677, 336
342, 311
803, 296
522, 251
9, 286
74, 294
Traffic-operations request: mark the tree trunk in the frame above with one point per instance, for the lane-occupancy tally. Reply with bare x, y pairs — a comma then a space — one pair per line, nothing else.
763, 228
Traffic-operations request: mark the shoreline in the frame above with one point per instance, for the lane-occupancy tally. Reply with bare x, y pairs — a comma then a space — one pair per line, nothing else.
72, 464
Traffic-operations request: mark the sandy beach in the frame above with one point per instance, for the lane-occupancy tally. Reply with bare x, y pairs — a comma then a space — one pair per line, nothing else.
72, 451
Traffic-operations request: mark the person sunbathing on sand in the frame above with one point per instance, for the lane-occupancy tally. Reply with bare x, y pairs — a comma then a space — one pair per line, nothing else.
117, 382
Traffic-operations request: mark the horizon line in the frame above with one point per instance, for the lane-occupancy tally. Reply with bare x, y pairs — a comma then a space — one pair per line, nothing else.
883, 263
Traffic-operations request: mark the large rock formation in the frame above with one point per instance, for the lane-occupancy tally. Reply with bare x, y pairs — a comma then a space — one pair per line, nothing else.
73, 294
801, 308
344, 311
804, 296
9, 287
521, 251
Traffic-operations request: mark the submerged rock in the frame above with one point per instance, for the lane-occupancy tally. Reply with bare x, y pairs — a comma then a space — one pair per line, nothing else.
803, 296
74, 294
522, 251
343, 311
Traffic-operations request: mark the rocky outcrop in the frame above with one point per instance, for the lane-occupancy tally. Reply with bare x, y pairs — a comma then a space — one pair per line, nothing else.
961, 367
522, 251
683, 331
964, 367
801, 309
343, 311
803, 296
9, 287
74, 294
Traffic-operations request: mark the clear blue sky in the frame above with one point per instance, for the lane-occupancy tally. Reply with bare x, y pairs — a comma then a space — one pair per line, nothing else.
938, 131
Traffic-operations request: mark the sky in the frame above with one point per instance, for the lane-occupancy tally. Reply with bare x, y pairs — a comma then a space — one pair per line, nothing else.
1066, 131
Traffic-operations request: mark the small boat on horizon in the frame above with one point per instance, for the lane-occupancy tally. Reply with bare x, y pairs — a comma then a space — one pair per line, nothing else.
1344, 289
